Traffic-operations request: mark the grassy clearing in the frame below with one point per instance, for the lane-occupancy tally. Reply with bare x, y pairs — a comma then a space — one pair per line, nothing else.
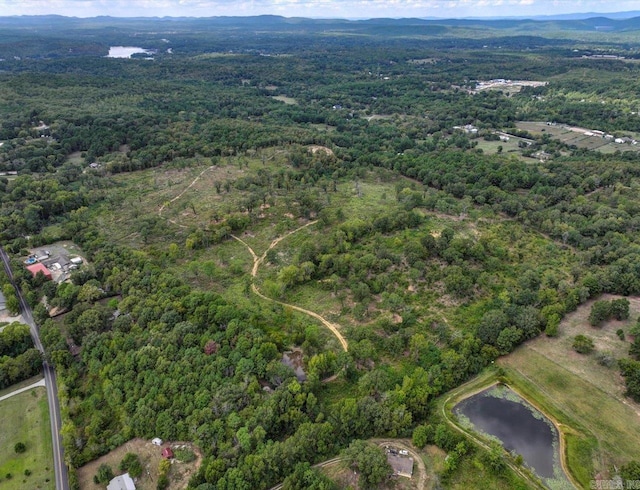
150, 457
605, 339
285, 99
432, 456
470, 475
573, 386
492, 147
21, 384
25, 418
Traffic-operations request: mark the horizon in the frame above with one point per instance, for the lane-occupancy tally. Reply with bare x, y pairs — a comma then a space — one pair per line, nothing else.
316, 9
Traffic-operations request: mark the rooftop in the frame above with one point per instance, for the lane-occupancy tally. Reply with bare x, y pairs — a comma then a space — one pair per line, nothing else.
402, 465
122, 482
35, 268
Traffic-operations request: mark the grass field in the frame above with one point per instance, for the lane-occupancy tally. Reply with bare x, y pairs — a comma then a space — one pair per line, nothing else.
582, 389
25, 418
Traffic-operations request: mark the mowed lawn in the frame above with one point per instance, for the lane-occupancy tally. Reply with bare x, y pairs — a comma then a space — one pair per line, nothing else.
25, 418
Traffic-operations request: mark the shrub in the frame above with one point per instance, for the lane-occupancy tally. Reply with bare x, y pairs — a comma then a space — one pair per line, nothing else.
552, 326
600, 312
131, 464
583, 344
620, 309
19, 447
185, 455
422, 435
606, 359
105, 474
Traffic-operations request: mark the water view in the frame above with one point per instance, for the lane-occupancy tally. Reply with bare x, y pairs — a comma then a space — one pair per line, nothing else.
501, 413
125, 51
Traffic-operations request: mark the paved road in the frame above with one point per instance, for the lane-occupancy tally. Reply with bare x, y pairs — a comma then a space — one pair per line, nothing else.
62, 477
22, 390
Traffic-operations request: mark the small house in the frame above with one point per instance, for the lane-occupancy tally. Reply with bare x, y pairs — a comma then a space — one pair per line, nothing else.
76, 260
156, 441
401, 465
35, 268
122, 482
167, 453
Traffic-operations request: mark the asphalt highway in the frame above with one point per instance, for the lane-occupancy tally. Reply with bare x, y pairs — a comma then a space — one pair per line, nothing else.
62, 476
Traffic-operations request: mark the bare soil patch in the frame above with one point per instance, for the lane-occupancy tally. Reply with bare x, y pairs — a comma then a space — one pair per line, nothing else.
316, 148
150, 457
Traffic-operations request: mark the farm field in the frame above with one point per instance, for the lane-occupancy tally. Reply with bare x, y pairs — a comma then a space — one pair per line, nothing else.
25, 419
575, 136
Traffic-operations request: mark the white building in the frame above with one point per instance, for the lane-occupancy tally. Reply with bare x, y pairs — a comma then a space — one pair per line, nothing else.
122, 482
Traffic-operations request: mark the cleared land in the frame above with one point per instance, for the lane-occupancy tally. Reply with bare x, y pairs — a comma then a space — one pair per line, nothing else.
583, 389
424, 471
150, 457
285, 99
575, 136
25, 418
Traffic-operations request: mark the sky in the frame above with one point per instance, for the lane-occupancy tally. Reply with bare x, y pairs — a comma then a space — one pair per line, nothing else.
349, 9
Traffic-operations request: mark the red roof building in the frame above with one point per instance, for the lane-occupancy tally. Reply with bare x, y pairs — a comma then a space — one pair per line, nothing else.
35, 268
167, 453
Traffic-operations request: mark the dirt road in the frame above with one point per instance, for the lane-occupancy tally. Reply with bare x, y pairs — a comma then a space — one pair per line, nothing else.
257, 261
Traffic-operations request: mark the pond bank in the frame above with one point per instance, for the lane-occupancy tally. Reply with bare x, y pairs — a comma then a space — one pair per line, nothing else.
567, 432
499, 413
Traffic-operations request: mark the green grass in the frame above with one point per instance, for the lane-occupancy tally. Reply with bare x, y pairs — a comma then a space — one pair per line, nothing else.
582, 405
579, 455
21, 384
25, 418
491, 147
580, 445
471, 474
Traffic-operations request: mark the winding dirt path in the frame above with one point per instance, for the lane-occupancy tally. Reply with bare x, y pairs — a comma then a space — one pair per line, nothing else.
166, 204
257, 261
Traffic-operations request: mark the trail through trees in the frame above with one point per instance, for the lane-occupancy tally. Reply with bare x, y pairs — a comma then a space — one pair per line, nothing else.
257, 261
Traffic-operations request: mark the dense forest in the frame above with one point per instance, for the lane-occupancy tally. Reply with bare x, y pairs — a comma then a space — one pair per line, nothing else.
435, 245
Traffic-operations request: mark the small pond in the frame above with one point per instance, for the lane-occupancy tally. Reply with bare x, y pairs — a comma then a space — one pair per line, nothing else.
293, 359
125, 51
502, 414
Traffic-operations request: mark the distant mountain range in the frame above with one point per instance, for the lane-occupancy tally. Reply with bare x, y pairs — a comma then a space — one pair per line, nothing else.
618, 21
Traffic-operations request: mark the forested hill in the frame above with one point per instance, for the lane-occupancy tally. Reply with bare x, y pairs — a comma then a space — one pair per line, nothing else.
46, 23
54, 37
